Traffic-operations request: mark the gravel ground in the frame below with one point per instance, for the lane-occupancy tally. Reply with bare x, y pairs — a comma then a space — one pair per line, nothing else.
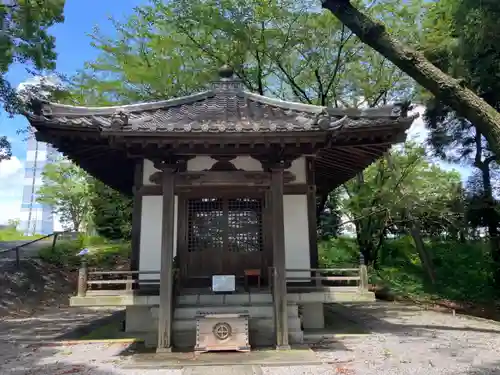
404, 340
408, 340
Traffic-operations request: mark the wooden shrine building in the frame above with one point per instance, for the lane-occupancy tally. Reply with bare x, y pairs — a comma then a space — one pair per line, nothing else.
224, 183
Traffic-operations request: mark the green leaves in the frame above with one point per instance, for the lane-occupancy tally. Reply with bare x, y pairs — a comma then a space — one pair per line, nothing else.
65, 188
283, 49
25, 39
401, 186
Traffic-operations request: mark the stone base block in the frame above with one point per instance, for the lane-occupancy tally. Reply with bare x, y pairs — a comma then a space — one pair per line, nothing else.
313, 316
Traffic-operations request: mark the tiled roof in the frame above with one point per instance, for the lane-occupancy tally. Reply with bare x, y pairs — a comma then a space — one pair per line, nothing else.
227, 107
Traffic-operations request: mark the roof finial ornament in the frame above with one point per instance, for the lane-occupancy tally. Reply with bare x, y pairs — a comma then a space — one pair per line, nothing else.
226, 72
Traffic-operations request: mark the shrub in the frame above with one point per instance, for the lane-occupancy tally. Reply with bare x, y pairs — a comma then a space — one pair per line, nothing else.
463, 271
102, 253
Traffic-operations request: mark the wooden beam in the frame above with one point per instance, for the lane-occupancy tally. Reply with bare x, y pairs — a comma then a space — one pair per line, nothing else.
279, 287
167, 257
311, 213
136, 217
290, 189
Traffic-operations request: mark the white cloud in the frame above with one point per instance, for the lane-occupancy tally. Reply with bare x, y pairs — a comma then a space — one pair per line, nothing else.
38, 86
417, 132
11, 189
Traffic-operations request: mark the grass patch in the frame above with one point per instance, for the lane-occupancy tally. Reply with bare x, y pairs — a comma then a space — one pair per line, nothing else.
12, 234
103, 253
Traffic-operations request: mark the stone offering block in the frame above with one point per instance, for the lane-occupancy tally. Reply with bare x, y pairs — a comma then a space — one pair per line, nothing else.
215, 332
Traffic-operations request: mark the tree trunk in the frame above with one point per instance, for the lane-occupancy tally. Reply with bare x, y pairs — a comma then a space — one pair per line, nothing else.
491, 217
424, 255
446, 88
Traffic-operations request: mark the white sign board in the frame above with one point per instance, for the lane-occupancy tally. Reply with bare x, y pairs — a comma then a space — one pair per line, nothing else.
223, 283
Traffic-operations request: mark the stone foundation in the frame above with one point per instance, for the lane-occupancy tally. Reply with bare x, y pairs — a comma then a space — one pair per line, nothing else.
313, 316
142, 321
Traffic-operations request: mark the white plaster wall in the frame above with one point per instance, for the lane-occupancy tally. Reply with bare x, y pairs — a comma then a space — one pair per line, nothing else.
298, 168
200, 163
150, 245
296, 234
148, 170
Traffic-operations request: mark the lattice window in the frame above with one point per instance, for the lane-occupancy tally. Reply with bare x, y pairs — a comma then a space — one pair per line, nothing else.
244, 225
233, 224
205, 220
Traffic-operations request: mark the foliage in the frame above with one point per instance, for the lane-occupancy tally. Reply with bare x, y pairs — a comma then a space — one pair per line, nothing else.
102, 253
329, 218
460, 38
282, 49
65, 188
460, 268
25, 39
394, 192
277, 48
5, 149
111, 211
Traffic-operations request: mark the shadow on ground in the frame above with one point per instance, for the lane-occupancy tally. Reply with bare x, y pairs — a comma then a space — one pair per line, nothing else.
46, 360
31, 345
33, 287
490, 369
58, 324
387, 317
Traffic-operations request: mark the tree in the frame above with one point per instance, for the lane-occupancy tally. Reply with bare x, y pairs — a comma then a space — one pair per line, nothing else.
278, 49
111, 211
460, 40
399, 194
5, 149
25, 39
66, 190
449, 90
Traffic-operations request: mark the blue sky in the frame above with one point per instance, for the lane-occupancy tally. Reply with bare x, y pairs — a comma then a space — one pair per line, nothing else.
73, 48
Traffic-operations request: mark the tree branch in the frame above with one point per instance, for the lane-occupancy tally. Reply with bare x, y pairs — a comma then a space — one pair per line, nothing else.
448, 89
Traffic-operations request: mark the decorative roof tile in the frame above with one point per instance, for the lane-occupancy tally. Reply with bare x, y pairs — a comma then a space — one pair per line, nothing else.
227, 107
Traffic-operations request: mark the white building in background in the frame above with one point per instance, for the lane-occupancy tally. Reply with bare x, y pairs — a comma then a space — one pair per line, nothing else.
36, 218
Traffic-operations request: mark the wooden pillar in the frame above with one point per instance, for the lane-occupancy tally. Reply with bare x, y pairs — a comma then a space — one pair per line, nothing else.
278, 222
167, 257
311, 216
136, 218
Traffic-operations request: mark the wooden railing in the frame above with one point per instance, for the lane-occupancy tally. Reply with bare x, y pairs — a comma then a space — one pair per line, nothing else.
127, 281
119, 281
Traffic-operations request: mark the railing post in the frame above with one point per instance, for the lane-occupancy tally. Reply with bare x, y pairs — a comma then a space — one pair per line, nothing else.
363, 273
319, 282
82, 279
129, 284
54, 240
18, 258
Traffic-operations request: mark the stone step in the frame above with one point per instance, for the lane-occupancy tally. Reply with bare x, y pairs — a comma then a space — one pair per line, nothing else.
224, 299
187, 339
255, 311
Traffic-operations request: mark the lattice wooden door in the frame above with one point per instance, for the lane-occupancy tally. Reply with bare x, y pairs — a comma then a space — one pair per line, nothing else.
224, 236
